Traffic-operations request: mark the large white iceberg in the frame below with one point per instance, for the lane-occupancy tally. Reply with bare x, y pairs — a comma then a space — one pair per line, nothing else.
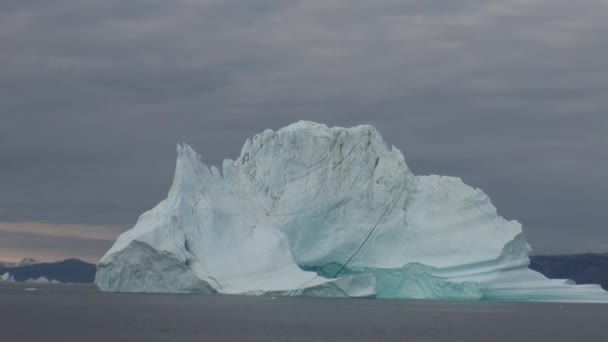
312, 210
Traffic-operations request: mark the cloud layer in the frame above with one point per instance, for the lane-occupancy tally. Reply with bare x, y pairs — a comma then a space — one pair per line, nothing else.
509, 95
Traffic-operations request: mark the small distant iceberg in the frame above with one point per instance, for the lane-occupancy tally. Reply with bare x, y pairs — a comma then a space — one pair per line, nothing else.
7, 277
43, 280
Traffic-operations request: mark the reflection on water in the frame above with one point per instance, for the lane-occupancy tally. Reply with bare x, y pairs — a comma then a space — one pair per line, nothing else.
81, 313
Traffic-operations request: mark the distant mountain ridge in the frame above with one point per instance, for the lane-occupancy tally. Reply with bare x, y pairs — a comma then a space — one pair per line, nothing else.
65, 271
582, 268
23, 262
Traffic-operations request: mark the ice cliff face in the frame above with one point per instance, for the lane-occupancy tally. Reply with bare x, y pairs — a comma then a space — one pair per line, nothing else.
312, 210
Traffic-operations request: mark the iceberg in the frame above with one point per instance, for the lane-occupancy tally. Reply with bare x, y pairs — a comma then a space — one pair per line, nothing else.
39, 280
7, 277
318, 211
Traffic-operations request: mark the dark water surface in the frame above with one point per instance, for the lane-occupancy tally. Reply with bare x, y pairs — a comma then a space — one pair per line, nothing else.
80, 313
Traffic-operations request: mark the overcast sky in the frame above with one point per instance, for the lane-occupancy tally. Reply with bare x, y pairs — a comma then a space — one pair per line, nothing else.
510, 95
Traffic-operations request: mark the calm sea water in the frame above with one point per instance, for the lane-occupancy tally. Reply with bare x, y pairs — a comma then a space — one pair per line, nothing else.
80, 313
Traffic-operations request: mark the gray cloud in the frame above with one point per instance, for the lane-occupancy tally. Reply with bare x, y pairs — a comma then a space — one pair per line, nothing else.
509, 95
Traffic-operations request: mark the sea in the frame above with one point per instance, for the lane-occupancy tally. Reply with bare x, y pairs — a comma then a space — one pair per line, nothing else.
63, 313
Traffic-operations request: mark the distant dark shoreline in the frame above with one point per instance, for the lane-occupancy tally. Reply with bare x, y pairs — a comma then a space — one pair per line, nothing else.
65, 271
582, 268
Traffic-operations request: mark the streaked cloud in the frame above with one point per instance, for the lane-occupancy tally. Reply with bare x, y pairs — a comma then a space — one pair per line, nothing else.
51, 242
80, 231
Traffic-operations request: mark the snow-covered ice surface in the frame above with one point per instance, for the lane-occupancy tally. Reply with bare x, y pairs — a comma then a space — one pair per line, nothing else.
312, 210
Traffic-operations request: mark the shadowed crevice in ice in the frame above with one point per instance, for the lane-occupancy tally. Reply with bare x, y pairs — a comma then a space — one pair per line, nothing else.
141, 268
